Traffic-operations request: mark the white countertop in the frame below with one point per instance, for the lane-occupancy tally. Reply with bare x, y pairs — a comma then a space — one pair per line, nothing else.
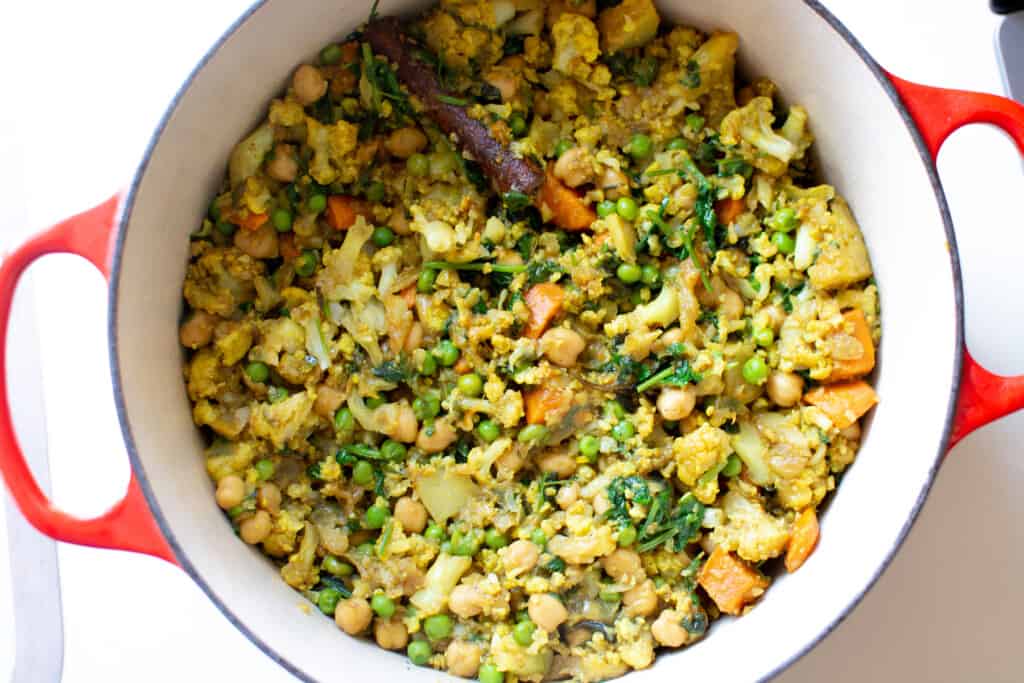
84, 82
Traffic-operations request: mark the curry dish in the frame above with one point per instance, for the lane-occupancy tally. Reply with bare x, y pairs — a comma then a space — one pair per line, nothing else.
526, 337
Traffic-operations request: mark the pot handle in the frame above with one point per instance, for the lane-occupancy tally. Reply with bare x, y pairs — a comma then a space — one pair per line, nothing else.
984, 396
129, 524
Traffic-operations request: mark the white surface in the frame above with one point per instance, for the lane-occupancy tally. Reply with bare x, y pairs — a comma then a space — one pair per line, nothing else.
946, 611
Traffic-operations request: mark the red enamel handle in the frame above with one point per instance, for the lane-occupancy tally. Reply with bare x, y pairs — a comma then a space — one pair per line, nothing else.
984, 397
129, 525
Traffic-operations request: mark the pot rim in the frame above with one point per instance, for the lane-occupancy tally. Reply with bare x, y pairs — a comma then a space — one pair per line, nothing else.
182, 557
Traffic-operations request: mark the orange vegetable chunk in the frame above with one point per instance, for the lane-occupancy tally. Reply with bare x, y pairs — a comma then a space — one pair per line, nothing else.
843, 402
342, 211
569, 212
803, 539
855, 367
728, 210
252, 221
730, 581
541, 401
545, 302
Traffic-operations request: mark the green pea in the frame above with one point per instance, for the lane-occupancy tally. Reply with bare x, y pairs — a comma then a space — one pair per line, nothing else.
382, 605
419, 652
784, 220
330, 55
465, 544
489, 673
344, 421
429, 365
650, 274
495, 539
264, 469
695, 122
488, 430
426, 406
282, 220
629, 273
447, 353
764, 337
375, 191
276, 394
623, 431
626, 208
258, 372
562, 147
362, 473
333, 565
365, 548
374, 402
438, 626
434, 533
677, 144
523, 632
785, 243
328, 600
755, 370
639, 146
425, 282
383, 236
225, 228
392, 450
627, 536
733, 466
610, 596
305, 265
532, 433
376, 516
539, 537
614, 409
417, 165
470, 384
316, 203
605, 208
517, 124
589, 446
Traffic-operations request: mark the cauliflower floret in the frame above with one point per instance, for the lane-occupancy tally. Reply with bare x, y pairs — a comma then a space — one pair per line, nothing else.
750, 127
226, 421
286, 113
636, 644
332, 151
528, 664
283, 346
754, 534
630, 24
699, 451
301, 571
461, 45
576, 46
716, 65
280, 423
843, 259
233, 340
281, 540
207, 376
220, 279
248, 155
224, 458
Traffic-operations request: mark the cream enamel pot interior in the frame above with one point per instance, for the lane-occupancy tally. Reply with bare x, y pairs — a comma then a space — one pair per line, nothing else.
871, 150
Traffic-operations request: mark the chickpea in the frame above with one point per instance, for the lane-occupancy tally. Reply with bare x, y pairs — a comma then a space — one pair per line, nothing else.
668, 630
328, 400
405, 142
624, 566
509, 463
575, 167
562, 346
411, 514
390, 633
462, 658
197, 331
256, 529
397, 420
769, 317
283, 167
676, 403
614, 183
353, 615
437, 437
334, 540
641, 600
466, 601
258, 243
309, 84
785, 388
602, 504
398, 222
230, 491
547, 611
414, 339
268, 497
519, 557
561, 464
731, 305
567, 495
